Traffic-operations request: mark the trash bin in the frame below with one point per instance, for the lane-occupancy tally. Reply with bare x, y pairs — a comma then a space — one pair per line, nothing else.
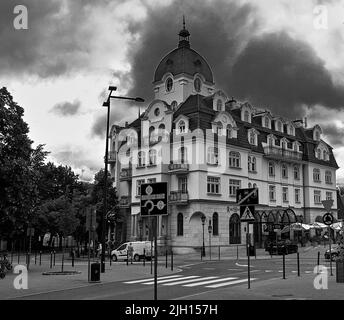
339, 271
95, 271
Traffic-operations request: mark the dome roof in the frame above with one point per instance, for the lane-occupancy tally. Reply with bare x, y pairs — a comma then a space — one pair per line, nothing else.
183, 60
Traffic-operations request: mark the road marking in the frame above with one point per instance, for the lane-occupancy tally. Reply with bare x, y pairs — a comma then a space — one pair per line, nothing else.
170, 280
150, 279
294, 271
206, 282
233, 269
187, 281
268, 270
242, 265
228, 283
308, 271
208, 268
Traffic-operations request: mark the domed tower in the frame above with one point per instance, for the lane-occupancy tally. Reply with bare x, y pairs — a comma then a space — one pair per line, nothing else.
182, 72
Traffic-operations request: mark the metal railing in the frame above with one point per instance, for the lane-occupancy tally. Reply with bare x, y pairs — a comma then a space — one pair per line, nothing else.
179, 196
282, 153
178, 167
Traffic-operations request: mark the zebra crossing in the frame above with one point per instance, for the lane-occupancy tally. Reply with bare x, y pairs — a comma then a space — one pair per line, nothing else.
192, 281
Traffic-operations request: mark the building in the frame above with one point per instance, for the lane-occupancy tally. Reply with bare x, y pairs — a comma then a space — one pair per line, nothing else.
206, 146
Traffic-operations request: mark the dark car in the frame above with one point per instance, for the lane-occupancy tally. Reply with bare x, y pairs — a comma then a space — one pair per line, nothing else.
281, 247
334, 253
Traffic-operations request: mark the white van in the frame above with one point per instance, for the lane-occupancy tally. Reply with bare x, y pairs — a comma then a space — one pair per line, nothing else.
140, 249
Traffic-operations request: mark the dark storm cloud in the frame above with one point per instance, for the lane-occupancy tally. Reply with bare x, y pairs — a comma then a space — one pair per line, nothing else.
66, 108
57, 40
334, 135
282, 74
219, 29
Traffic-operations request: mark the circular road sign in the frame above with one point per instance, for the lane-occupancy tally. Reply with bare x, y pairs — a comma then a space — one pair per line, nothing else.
328, 218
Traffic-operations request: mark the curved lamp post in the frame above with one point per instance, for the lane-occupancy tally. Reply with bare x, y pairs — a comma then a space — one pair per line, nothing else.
103, 220
203, 248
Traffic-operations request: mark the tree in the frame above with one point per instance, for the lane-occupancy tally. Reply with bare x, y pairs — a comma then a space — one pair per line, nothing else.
18, 168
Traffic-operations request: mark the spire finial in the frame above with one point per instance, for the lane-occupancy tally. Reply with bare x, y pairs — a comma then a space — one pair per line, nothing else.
184, 36
183, 21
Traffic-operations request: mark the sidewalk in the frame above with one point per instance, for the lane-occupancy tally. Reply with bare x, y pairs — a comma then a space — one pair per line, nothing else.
38, 283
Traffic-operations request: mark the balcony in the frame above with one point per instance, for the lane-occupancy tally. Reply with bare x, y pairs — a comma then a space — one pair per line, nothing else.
124, 202
112, 157
179, 197
125, 174
178, 168
282, 154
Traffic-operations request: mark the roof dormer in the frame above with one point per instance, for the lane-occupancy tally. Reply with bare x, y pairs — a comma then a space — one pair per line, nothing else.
219, 101
246, 112
317, 132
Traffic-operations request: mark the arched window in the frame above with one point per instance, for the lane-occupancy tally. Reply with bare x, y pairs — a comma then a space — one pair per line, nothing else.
249, 160
318, 154
317, 135
328, 177
162, 132
180, 223
249, 185
174, 105
253, 164
219, 105
141, 159
218, 129
296, 172
284, 145
296, 147
324, 155
213, 155
152, 157
234, 159
316, 175
284, 171
181, 126
279, 126
198, 84
271, 169
270, 141
215, 224
234, 229
152, 136
252, 138
182, 155
254, 185
246, 116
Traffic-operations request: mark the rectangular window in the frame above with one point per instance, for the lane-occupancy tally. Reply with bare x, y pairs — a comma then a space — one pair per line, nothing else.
285, 194
297, 196
328, 195
138, 186
183, 184
152, 180
234, 185
213, 185
317, 196
272, 193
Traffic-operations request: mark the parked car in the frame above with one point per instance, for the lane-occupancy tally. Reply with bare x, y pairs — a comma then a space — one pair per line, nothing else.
141, 249
334, 253
281, 247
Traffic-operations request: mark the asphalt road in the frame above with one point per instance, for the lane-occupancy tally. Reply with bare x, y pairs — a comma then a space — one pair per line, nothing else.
195, 280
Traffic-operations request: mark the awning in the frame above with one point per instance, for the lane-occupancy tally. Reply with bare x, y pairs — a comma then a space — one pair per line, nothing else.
337, 226
296, 227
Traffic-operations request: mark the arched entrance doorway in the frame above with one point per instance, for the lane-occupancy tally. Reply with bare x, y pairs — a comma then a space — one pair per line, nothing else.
234, 229
196, 229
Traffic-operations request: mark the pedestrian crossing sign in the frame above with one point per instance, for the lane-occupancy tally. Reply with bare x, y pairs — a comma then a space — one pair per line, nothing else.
247, 213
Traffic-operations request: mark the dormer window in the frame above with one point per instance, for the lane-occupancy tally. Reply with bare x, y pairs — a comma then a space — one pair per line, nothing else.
181, 126
229, 132
253, 137
266, 122
246, 116
279, 126
219, 105
317, 135
319, 154
198, 84
169, 84
219, 129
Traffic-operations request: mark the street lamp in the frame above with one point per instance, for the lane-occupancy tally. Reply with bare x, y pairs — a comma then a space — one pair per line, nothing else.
203, 248
103, 220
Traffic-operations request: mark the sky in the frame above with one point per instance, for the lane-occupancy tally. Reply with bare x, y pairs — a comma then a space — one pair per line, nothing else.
281, 55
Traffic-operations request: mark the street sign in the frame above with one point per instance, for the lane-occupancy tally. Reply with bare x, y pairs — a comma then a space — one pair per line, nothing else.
327, 204
247, 197
328, 219
91, 219
154, 199
247, 213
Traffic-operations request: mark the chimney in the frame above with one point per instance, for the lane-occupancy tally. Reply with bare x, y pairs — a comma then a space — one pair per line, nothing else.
126, 124
305, 122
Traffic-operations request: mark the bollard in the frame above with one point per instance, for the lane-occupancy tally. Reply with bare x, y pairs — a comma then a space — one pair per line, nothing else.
201, 254
219, 253
54, 253
166, 260
283, 265
127, 257
171, 260
237, 252
40, 258
51, 259
144, 257
110, 258
318, 260
72, 258
35, 256
298, 264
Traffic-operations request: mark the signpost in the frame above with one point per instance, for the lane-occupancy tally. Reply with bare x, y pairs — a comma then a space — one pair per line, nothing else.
90, 227
154, 203
328, 220
246, 199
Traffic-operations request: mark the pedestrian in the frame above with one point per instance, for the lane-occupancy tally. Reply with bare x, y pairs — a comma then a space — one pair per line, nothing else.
130, 252
99, 250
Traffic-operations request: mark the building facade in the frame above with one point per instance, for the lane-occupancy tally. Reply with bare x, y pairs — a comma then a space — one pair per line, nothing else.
206, 145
